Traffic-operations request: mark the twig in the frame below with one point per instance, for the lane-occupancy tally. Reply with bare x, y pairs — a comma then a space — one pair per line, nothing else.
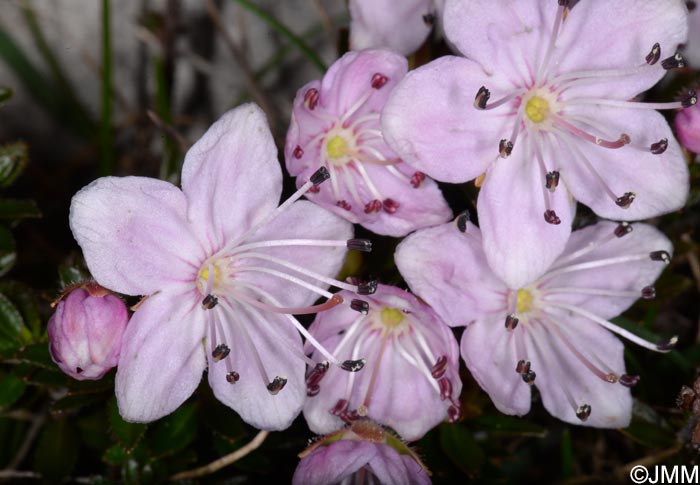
37, 423
9, 474
217, 465
169, 130
240, 58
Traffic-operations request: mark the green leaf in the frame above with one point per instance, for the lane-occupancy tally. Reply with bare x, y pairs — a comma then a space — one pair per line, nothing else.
116, 455
57, 450
71, 274
127, 434
15, 209
38, 376
174, 432
8, 255
37, 355
13, 159
73, 402
11, 389
11, 325
23, 297
459, 445
507, 425
649, 434
5, 94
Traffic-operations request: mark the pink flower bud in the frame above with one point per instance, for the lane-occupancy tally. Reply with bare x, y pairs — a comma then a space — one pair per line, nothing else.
85, 332
687, 126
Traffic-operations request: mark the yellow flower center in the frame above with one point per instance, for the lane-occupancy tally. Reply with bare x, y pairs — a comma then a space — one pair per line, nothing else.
392, 317
337, 147
524, 303
203, 278
537, 109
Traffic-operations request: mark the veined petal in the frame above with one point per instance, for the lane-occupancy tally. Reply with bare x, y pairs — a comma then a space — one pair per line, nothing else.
279, 346
386, 23
134, 234
519, 244
162, 357
490, 352
231, 176
431, 122
391, 467
447, 269
630, 276
560, 372
334, 463
660, 182
302, 220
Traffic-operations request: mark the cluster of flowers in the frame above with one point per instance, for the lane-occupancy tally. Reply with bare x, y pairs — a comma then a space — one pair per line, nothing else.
537, 110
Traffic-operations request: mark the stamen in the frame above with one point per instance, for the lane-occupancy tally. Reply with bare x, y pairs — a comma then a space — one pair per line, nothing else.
439, 368
505, 147
552, 180
360, 306
367, 287
660, 256
669, 345
311, 98
232, 377
340, 407
390, 206
343, 204
676, 61
482, 97
364, 245
648, 292
551, 217
687, 100
249, 340
298, 152
453, 414
654, 55
210, 301
373, 206
416, 179
607, 377
220, 352
659, 147
320, 176
623, 229
629, 380
511, 322
529, 377
429, 19
583, 412
522, 367
552, 40
445, 388
277, 385
462, 220
353, 365
301, 242
379, 80
625, 200
333, 301
578, 132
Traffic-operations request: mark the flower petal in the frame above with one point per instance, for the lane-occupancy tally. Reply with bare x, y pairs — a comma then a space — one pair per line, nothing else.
334, 463
565, 383
385, 23
519, 244
231, 176
431, 122
302, 220
391, 467
279, 347
660, 182
134, 234
447, 269
162, 358
626, 276
489, 351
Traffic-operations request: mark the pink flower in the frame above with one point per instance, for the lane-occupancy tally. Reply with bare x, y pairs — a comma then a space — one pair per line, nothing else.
540, 106
401, 26
335, 124
691, 51
361, 453
687, 124
85, 332
223, 269
411, 381
554, 331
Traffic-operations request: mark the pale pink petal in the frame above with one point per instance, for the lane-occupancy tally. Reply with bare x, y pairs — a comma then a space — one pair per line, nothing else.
391, 467
489, 350
566, 383
134, 234
279, 346
687, 125
387, 23
334, 463
691, 52
431, 122
231, 176
660, 182
447, 269
162, 356
519, 244
630, 276
302, 220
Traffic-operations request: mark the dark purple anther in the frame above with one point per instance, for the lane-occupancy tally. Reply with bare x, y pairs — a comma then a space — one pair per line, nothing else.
311, 98
343, 204
220, 352
522, 367
340, 407
625, 201
390, 206
623, 229
505, 148
379, 80
439, 368
445, 388
482, 97
648, 292
660, 256
690, 99
276, 385
360, 306
232, 377
320, 176
298, 152
583, 412
676, 61
659, 147
551, 217
462, 220
373, 206
417, 179
529, 377
654, 54
367, 287
353, 365
552, 180
511, 322
629, 380
312, 391
209, 302
453, 414
429, 19
364, 245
